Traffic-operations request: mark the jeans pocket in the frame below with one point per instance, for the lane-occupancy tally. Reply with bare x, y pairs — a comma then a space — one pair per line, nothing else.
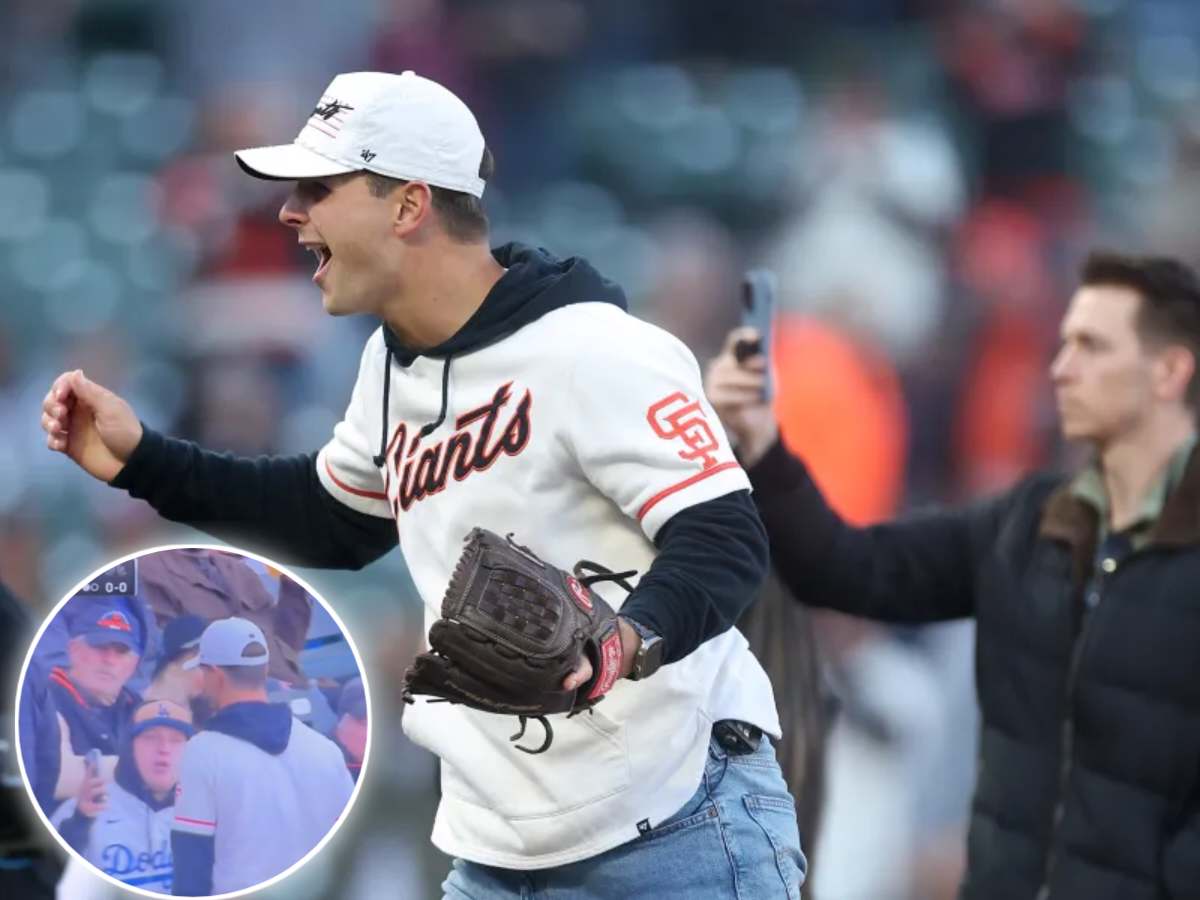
762, 758
776, 816
714, 767
679, 822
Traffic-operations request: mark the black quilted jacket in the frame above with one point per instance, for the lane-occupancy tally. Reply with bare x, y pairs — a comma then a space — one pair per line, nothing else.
1087, 667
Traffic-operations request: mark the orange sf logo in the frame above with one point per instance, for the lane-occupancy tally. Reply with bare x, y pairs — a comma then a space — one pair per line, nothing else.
677, 416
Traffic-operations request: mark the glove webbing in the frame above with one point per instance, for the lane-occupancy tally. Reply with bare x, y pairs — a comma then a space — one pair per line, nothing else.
597, 573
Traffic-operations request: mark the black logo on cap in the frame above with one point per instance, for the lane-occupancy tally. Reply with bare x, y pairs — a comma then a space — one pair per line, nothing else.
328, 110
367, 155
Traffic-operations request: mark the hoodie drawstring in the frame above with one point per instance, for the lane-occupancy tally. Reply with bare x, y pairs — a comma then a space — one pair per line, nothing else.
432, 426
426, 429
383, 436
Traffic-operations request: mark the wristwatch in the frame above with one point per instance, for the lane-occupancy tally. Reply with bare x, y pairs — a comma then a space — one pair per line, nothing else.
649, 655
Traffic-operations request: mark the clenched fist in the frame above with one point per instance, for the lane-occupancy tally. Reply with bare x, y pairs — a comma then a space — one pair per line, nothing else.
735, 391
90, 424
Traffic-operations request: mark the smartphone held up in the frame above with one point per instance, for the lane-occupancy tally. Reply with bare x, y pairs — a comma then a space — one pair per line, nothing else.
759, 289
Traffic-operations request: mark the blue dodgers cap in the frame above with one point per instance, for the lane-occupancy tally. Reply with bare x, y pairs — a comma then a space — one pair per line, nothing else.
168, 713
105, 620
353, 699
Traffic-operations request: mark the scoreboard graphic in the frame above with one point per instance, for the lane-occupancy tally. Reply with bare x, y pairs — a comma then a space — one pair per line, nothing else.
118, 581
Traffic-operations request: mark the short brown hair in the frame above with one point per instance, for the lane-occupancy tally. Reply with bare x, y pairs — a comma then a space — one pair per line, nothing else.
461, 213
1170, 292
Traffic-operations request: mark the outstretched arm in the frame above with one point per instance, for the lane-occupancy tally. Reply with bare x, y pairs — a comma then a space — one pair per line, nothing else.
919, 569
273, 503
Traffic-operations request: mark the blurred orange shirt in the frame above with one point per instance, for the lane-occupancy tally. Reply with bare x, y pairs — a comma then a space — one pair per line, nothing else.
840, 407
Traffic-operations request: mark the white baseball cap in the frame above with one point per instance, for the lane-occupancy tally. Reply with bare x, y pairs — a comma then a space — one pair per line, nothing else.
403, 126
224, 643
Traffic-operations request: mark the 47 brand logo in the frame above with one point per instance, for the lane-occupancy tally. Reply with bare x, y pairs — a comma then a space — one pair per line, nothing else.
679, 417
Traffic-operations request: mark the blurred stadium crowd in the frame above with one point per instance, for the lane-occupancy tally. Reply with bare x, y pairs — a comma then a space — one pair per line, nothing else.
923, 175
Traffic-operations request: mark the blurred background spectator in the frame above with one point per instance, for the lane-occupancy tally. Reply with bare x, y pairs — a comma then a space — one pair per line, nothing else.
923, 174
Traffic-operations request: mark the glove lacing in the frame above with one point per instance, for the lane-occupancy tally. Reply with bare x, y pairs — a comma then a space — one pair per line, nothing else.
588, 573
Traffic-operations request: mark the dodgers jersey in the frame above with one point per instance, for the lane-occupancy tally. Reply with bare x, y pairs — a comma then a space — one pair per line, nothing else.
265, 786
128, 839
582, 432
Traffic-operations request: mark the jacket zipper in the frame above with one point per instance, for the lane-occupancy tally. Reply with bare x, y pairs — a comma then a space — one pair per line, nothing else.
1091, 602
1093, 596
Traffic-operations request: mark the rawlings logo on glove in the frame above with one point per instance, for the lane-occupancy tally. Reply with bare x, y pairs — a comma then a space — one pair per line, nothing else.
512, 629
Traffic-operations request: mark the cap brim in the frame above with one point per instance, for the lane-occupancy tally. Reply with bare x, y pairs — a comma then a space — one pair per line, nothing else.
177, 724
288, 162
104, 638
195, 662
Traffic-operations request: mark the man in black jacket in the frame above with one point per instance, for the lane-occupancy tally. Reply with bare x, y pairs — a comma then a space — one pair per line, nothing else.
1085, 591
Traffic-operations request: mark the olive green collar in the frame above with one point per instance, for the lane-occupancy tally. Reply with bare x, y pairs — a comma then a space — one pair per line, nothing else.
1073, 513
1088, 486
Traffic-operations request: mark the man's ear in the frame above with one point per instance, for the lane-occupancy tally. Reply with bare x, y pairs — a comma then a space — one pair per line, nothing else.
1174, 369
413, 206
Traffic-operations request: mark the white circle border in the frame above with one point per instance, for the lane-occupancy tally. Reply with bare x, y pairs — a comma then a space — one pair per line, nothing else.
283, 570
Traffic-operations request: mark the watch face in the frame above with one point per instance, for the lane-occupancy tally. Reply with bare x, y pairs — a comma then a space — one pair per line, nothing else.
649, 656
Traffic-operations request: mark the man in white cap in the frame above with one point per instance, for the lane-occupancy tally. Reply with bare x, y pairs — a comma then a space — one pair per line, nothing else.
508, 389
258, 788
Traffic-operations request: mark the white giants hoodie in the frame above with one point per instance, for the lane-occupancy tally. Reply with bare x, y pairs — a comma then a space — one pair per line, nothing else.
557, 416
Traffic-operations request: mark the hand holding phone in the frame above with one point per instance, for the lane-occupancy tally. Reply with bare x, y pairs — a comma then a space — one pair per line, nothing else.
739, 381
759, 287
93, 794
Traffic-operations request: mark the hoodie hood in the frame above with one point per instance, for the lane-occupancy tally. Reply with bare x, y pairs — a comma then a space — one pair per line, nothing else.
536, 283
267, 726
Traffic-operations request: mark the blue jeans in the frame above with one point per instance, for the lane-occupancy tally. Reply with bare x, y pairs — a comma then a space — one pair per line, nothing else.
736, 838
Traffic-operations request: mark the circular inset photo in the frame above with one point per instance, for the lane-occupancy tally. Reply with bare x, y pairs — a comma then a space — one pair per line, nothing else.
192, 720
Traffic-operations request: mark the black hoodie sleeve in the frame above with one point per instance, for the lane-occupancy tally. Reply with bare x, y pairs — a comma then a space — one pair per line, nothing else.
711, 563
276, 504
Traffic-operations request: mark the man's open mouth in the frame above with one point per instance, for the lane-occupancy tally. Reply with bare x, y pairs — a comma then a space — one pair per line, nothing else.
323, 255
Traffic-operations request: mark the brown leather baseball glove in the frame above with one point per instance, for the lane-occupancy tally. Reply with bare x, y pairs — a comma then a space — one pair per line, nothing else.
512, 629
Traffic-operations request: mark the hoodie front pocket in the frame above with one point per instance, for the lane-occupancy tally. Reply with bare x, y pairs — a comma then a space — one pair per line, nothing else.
588, 761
